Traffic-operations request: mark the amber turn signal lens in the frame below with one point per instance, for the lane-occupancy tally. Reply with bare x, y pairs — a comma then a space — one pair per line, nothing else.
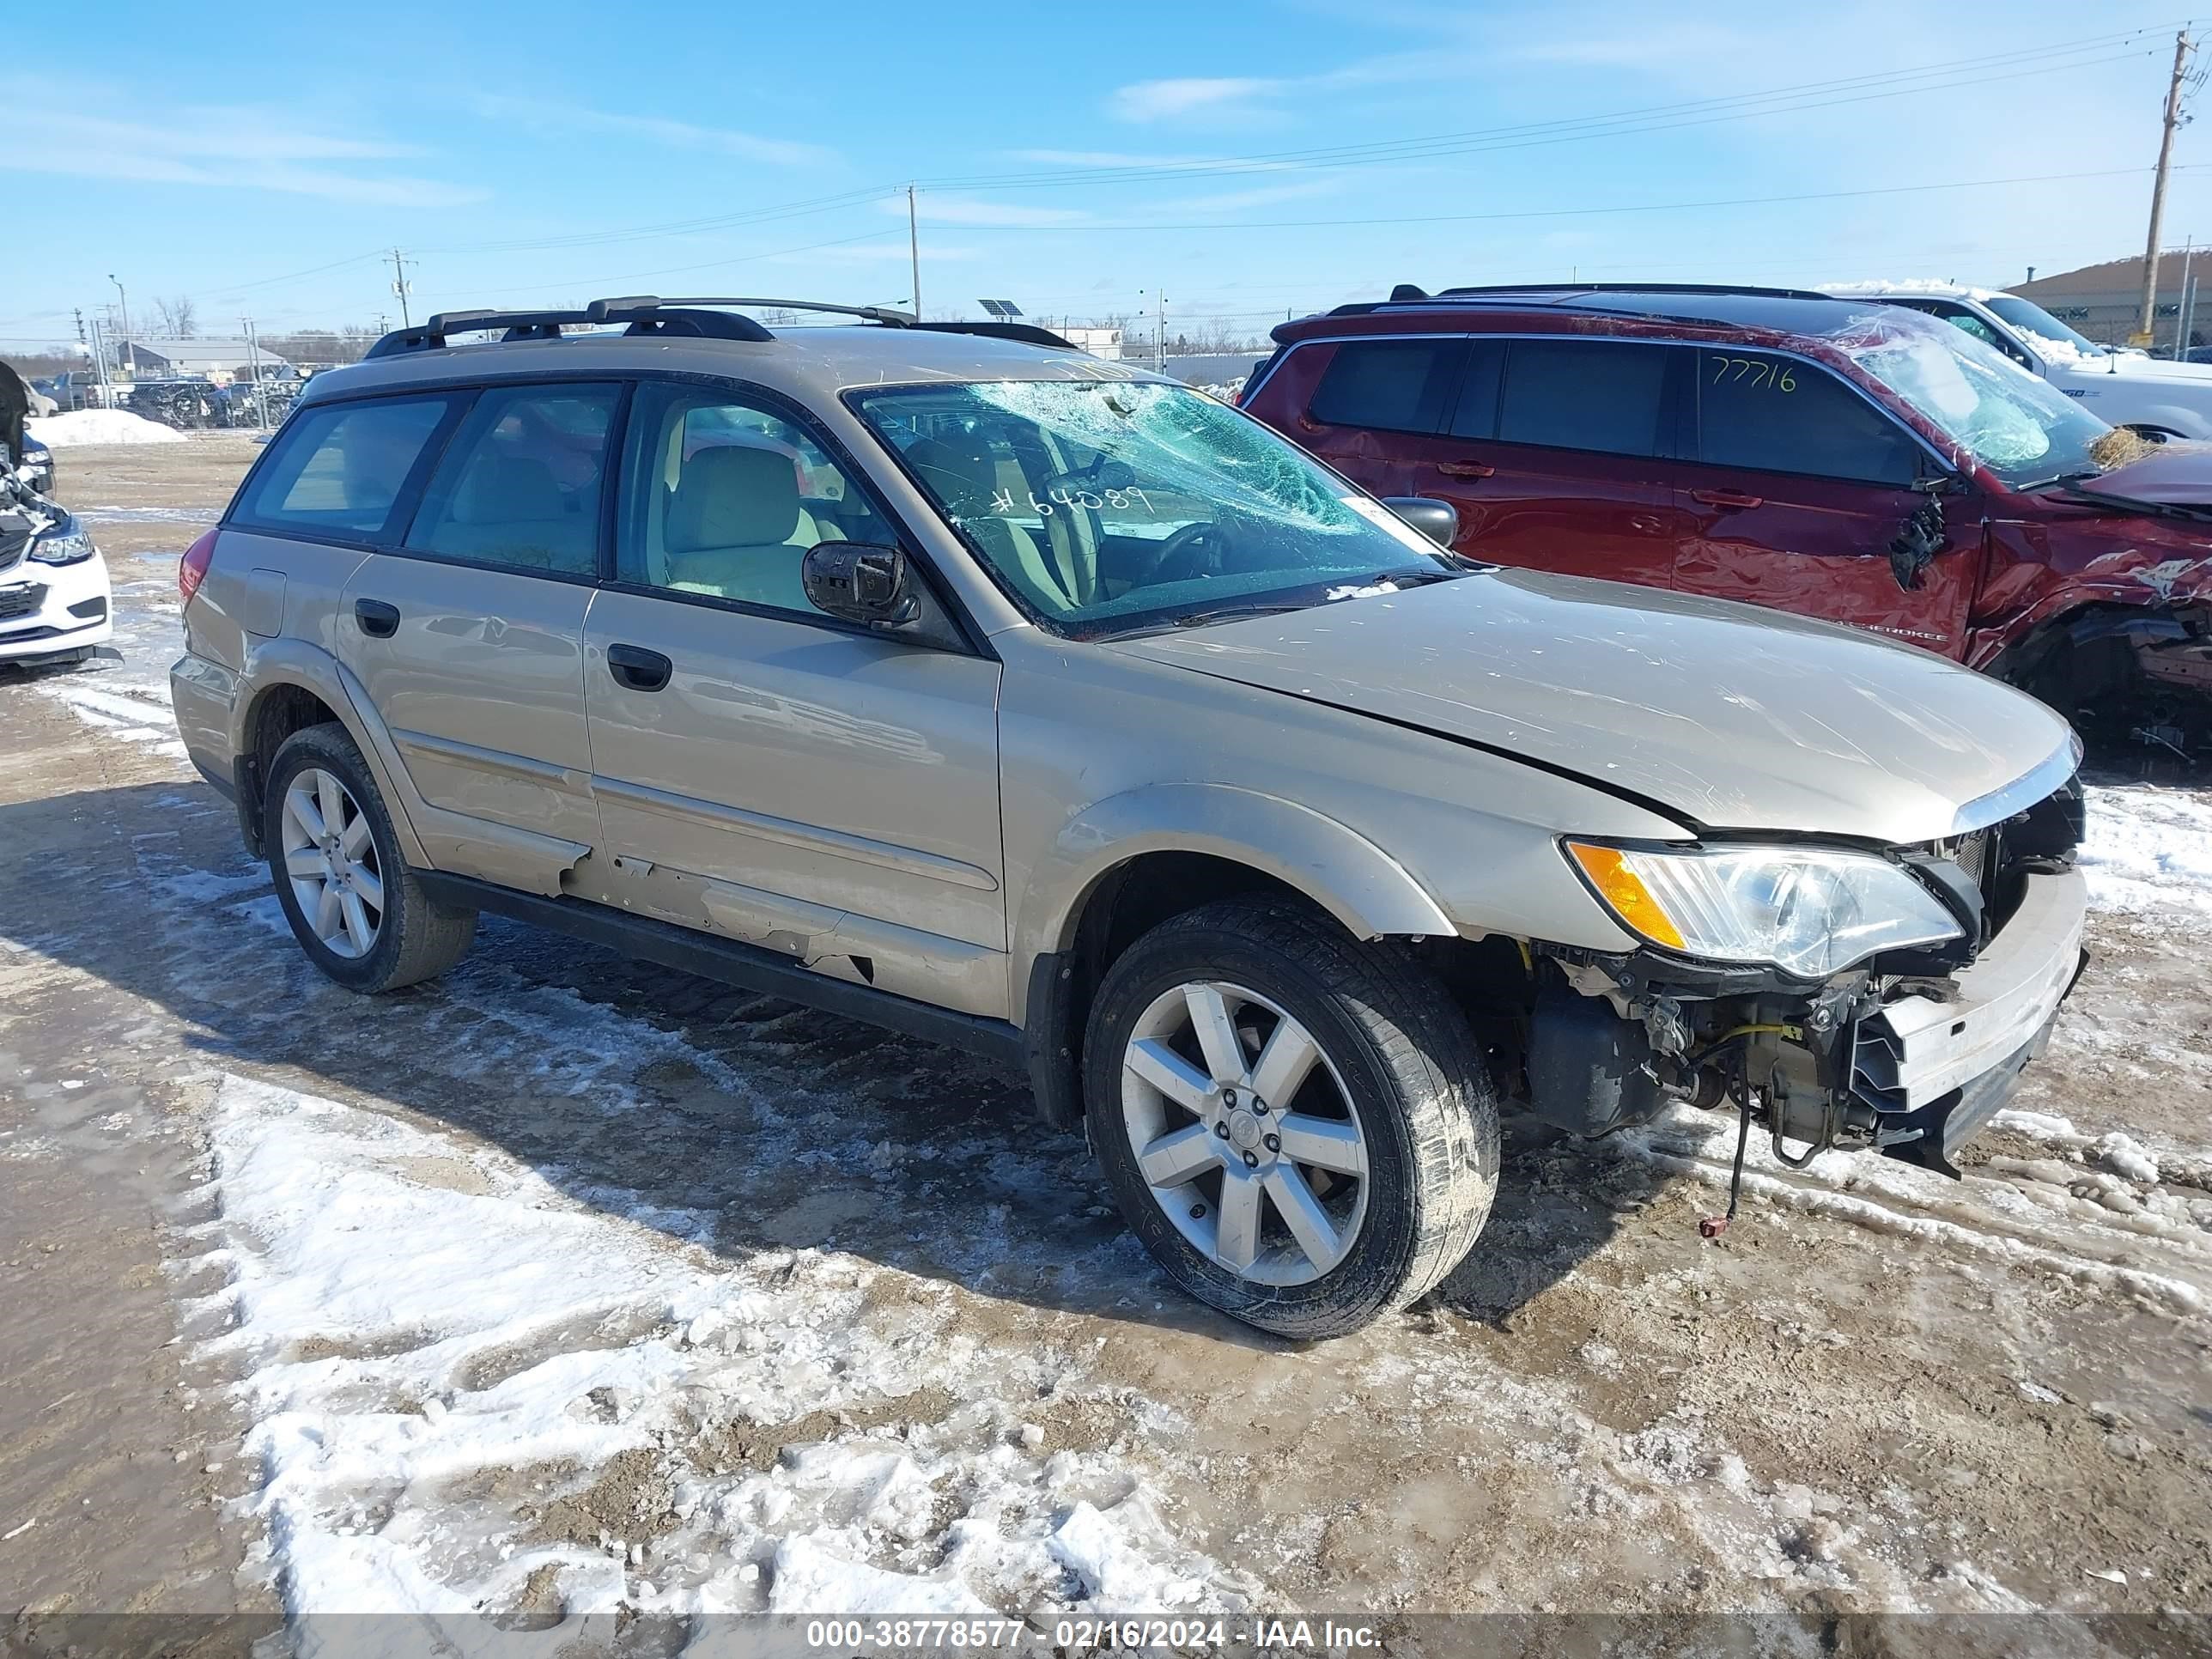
1623, 889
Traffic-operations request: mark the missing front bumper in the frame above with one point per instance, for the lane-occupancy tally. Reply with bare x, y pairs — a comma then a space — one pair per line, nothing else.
1935, 1068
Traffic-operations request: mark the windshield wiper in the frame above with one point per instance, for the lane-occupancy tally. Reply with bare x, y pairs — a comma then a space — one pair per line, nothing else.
1229, 612
1402, 579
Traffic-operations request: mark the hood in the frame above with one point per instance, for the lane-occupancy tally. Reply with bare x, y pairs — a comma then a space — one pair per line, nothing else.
1722, 715
2170, 475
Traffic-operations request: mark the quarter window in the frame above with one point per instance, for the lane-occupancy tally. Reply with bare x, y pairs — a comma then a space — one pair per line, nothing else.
340, 468
1773, 414
1608, 396
725, 497
519, 484
1389, 385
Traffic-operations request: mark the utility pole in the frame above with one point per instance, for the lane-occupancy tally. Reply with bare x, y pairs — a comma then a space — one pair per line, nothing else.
99, 361
2172, 123
125, 299
254, 363
399, 286
914, 251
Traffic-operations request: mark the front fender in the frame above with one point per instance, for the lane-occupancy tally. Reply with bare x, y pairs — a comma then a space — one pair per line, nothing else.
1339, 869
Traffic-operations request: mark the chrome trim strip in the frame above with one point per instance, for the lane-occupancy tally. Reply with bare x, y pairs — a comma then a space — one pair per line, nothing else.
2021, 792
809, 838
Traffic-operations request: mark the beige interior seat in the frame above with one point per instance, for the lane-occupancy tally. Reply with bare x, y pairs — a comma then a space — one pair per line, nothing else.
509, 510
960, 473
737, 528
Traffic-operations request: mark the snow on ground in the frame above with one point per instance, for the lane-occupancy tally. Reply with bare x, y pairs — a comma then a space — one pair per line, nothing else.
101, 425
423, 1406
2149, 849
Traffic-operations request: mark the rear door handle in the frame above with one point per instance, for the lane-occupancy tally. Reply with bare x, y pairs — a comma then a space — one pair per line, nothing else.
1467, 469
1732, 498
378, 620
638, 669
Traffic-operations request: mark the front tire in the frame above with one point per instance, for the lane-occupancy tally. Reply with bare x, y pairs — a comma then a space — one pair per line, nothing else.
1297, 1125
354, 904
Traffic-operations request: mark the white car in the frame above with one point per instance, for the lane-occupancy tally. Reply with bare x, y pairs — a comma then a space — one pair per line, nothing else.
2148, 395
55, 602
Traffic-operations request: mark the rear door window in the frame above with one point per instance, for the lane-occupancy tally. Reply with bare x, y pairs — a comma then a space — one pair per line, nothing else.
519, 485
1604, 396
340, 469
1390, 385
1772, 414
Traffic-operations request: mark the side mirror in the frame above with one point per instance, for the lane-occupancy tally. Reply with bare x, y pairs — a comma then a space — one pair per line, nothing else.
1437, 520
860, 582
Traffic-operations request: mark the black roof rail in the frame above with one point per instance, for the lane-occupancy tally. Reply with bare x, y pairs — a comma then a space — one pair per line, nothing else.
1027, 333
885, 314
643, 312
1405, 291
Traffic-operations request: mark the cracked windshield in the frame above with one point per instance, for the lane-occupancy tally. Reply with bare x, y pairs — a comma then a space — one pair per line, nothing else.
1113, 508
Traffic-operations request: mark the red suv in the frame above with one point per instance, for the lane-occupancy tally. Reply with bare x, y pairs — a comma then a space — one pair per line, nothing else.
1835, 458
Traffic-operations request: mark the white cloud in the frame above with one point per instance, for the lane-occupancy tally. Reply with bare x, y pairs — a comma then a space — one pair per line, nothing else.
1252, 98
1153, 100
545, 116
228, 148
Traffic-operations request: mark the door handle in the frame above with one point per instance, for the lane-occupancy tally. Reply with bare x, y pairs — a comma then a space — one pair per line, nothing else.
378, 620
1466, 469
1730, 498
638, 669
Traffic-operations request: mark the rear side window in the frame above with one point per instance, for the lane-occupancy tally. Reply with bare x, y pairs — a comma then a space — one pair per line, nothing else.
1773, 414
521, 484
1606, 395
1390, 385
340, 469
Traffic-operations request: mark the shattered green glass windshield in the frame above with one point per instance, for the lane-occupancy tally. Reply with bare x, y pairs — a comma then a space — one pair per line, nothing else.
2021, 428
1113, 504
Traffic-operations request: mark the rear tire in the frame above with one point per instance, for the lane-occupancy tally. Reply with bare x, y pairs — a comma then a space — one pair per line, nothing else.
345, 886
1386, 1161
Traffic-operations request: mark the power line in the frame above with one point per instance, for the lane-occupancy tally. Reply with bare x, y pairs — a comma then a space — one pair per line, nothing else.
2050, 58
1578, 213
1969, 70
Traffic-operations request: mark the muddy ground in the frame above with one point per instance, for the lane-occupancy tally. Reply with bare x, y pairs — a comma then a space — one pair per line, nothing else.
1879, 1392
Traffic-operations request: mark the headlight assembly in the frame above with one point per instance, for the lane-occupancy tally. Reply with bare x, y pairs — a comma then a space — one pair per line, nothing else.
1809, 911
72, 547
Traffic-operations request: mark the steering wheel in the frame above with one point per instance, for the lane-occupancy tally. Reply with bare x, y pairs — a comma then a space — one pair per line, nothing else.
1193, 551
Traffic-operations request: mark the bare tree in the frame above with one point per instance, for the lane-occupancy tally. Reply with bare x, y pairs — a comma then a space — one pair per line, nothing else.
179, 316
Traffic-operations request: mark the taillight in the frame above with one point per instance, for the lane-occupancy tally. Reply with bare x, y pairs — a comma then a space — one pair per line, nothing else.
193, 568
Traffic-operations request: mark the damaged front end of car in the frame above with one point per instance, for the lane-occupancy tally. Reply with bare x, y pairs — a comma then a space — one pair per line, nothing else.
1905, 989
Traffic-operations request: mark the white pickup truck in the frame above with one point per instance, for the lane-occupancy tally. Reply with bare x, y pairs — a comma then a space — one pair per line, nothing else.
2148, 395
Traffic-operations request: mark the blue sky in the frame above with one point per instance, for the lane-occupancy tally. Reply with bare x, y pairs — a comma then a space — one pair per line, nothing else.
1249, 160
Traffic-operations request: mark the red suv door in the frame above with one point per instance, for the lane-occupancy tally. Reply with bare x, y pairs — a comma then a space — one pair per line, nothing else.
1794, 485
1557, 464
1545, 445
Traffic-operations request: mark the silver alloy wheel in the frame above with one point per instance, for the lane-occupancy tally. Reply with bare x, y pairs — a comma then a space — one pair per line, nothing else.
1245, 1133
329, 858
